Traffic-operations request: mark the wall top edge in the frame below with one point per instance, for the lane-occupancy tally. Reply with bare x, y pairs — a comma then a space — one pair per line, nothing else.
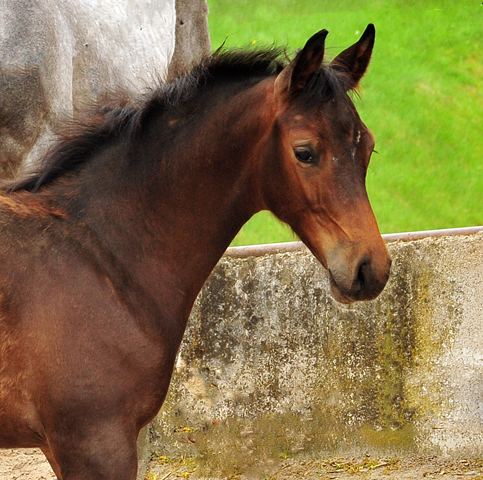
273, 248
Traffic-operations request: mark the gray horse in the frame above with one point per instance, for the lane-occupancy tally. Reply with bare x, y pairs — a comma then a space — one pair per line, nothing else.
57, 56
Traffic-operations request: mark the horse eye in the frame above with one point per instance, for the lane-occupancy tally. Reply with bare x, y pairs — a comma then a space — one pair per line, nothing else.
305, 155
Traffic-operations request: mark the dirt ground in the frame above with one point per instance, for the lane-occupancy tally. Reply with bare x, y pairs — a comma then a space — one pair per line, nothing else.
338, 469
29, 464
25, 464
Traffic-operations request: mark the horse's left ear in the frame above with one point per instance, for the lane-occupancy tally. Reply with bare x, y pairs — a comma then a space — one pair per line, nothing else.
295, 76
355, 60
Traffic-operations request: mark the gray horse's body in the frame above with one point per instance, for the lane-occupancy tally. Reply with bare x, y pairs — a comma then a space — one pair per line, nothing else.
57, 56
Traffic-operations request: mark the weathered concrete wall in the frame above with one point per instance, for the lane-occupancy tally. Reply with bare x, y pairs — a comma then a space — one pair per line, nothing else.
272, 366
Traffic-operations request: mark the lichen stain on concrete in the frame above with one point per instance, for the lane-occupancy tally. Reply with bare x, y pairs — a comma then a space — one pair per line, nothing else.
272, 366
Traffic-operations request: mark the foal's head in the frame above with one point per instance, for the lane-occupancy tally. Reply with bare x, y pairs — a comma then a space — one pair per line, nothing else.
315, 176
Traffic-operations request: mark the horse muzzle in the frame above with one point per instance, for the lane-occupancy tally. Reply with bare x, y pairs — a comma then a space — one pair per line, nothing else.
358, 278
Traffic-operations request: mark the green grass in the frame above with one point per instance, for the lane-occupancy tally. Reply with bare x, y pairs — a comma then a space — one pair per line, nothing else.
422, 98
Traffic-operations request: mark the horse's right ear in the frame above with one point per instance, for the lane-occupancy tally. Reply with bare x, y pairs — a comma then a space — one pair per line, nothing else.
295, 76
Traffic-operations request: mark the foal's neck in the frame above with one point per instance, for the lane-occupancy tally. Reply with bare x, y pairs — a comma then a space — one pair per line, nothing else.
199, 185
207, 166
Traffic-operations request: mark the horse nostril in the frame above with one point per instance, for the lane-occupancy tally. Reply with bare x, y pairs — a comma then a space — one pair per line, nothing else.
360, 280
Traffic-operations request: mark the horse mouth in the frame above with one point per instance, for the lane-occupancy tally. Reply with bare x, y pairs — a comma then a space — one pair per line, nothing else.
338, 293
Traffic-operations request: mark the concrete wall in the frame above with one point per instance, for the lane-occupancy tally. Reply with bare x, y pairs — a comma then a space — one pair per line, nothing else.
271, 366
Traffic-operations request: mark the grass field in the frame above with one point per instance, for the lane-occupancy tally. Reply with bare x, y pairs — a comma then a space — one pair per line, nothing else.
422, 98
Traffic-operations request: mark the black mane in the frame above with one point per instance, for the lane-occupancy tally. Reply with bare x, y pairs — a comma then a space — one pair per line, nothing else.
121, 119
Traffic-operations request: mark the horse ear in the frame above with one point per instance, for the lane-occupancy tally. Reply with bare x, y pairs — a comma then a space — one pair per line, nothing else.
294, 76
356, 58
